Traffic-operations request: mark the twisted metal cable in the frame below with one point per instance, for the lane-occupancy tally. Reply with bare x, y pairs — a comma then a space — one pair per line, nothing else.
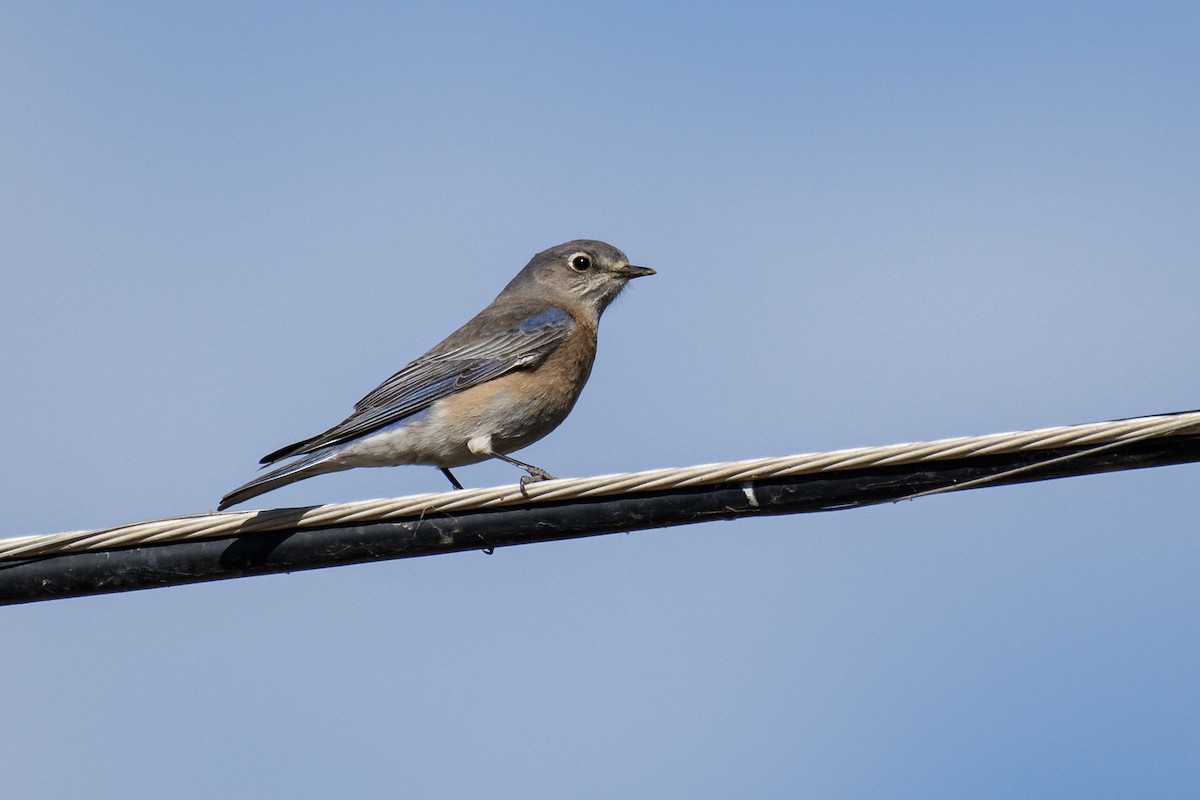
1098, 435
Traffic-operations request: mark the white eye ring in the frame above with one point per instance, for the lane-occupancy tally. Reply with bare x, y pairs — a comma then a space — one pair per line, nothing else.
580, 262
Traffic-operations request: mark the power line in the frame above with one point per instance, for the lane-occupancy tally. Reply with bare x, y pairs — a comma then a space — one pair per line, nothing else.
237, 544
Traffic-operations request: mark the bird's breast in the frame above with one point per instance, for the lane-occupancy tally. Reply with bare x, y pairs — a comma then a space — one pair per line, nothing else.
522, 406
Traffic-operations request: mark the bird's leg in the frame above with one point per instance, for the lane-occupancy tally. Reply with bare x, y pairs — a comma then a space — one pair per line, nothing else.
482, 446
535, 473
453, 480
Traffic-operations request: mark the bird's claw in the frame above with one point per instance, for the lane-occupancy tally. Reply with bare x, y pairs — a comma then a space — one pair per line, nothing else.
536, 475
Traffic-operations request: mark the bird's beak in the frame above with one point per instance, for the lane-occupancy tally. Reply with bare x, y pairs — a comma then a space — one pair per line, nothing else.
630, 271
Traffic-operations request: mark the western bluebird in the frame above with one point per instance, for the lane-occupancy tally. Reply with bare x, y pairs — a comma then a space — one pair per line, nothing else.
497, 384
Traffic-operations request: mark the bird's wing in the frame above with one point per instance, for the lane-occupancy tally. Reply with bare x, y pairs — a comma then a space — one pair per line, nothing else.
521, 342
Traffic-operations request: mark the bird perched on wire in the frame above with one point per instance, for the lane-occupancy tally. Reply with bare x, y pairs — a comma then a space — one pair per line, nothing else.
499, 383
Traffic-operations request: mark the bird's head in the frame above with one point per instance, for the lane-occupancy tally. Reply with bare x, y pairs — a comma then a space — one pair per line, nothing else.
580, 272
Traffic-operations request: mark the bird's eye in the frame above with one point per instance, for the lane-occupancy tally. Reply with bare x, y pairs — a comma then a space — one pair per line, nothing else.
581, 262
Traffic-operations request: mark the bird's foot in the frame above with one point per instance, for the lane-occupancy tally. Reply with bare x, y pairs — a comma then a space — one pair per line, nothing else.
536, 474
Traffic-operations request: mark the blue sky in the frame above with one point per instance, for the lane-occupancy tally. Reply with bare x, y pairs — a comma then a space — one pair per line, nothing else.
873, 223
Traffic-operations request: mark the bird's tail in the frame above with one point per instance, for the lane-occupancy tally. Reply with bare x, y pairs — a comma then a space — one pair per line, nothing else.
312, 464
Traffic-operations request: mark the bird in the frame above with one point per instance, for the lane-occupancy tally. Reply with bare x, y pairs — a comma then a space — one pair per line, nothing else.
502, 381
